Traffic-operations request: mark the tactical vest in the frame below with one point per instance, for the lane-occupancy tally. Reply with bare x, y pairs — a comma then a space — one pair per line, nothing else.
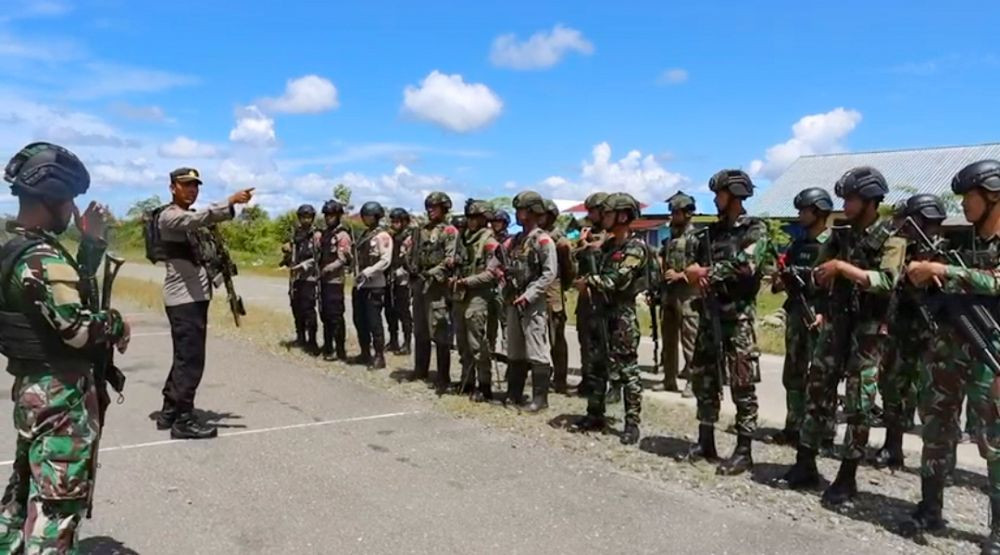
865, 252
801, 258
329, 245
524, 265
726, 244
474, 261
367, 253
302, 240
31, 346
432, 251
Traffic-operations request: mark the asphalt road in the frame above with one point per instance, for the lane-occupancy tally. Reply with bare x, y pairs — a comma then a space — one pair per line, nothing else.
312, 463
272, 293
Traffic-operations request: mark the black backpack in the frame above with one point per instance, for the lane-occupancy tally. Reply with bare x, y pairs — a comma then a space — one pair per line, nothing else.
156, 251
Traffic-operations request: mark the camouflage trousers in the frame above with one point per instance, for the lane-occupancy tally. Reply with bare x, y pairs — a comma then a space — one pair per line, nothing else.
799, 344
619, 357
899, 381
858, 365
46, 496
474, 352
951, 371
740, 359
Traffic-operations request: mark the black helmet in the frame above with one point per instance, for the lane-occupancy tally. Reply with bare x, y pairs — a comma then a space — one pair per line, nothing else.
306, 210
333, 207
46, 171
864, 181
500, 216
372, 208
926, 206
984, 174
736, 182
681, 201
459, 221
814, 197
399, 214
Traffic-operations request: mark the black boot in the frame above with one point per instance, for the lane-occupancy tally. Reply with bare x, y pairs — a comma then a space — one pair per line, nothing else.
705, 448
404, 349
300, 336
312, 347
539, 388
443, 381
786, 437
927, 517
630, 434
364, 358
393, 345
517, 374
421, 362
845, 486
589, 423
992, 544
741, 459
378, 363
891, 453
327, 350
188, 427
168, 415
803, 474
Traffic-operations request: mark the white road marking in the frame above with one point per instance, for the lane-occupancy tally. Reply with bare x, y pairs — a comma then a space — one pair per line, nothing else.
150, 334
251, 432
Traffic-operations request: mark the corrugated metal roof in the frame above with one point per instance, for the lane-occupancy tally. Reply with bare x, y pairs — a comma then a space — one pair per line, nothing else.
927, 170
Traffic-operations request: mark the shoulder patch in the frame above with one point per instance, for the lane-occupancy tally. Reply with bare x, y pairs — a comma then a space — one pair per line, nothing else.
491, 246
450, 230
544, 240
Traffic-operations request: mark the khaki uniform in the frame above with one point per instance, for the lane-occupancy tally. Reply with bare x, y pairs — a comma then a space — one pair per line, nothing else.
679, 318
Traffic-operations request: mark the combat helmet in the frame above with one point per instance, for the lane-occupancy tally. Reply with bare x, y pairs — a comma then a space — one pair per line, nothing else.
333, 207
594, 201
681, 201
372, 208
438, 198
927, 206
46, 171
737, 182
813, 197
984, 174
529, 200
863, 181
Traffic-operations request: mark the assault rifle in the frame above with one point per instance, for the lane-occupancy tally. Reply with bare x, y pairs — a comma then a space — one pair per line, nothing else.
795, 287
654, 284
972, 315
221, 270
710, 299
843, 293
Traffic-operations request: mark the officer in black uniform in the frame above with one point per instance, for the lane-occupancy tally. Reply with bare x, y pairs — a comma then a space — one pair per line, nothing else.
397, 306
374, 256
300, 258
335, 257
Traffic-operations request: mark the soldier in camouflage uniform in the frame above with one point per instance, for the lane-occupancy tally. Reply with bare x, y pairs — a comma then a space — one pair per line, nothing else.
731, 256
622, 273
48, 337
434, 250
859, 265
496, 323
473, 286
335, 257
556, 300
300, 258
374, 256
953, 367
795, 279
398, 310
679, 317
529, 267
909, 332
585, 254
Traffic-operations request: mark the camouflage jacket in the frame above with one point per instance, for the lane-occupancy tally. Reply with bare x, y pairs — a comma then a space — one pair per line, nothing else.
800, 259
904, 307
49, 287
674, 256
480, 270
982, 277
334, 254
586, 253
435, 249
879, 252
620, 271
737, 256
530, 265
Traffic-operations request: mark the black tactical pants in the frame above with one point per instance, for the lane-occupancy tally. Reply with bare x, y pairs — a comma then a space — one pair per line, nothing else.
304, 307
397, 311
331, 311
367, 306
188, 325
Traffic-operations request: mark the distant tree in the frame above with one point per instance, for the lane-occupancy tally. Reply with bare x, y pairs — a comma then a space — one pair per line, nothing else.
342, 193
142, 206
254, 214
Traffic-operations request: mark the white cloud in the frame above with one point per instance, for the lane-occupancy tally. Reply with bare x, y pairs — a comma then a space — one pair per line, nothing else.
139, 113
641, 176
253, 127
102, 79
448, 101
133, 172
673, 76
310, 94
813, 134
70, 136
542, 50
184, 147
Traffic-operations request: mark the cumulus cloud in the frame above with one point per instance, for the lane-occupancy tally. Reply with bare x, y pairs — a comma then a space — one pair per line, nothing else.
449, 102
184, 147
310, 94
673, 76
640, 175
813, 134
253, 127
542, 50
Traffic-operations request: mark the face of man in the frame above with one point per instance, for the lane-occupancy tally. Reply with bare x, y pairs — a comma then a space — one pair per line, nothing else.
722, 199
594, 215
609, 219
498, 226
332, 220
476, 223
397, 225
185, 193
370, 220
306, 221
854, 207
807, 217
974, 205
679, 217
435, 213
62, 214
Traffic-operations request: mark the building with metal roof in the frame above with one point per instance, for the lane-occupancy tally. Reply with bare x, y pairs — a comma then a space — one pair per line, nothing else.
925, 170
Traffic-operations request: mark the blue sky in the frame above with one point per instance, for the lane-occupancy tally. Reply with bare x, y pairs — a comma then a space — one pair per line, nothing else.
484, 100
